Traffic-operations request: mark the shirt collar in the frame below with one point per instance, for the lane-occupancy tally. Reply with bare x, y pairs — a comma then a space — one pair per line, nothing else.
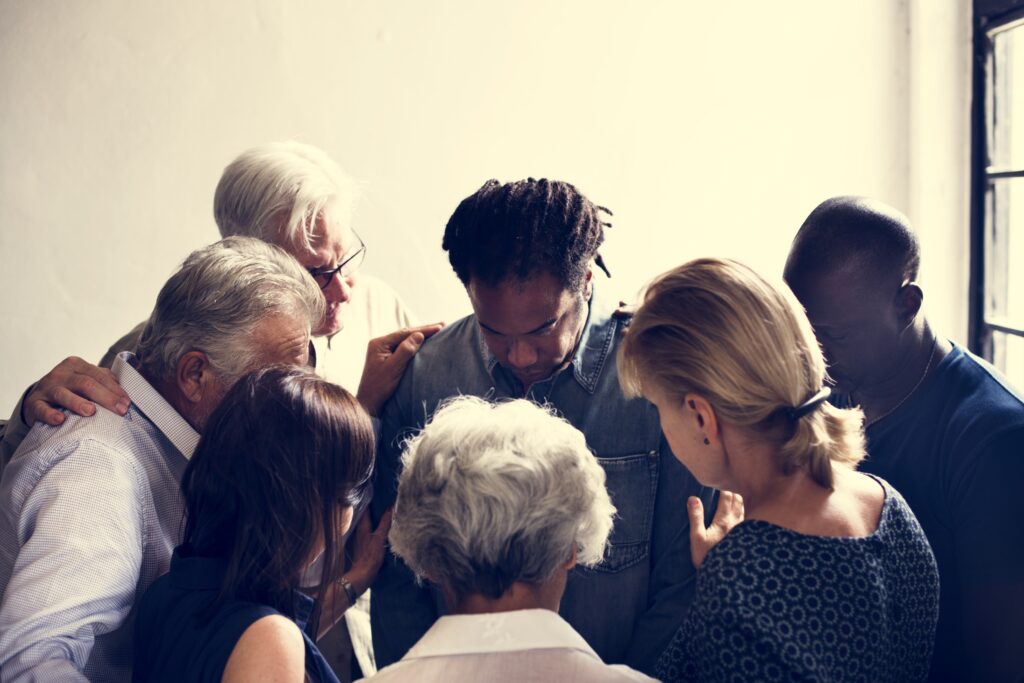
527, 629
153, 406
591, 350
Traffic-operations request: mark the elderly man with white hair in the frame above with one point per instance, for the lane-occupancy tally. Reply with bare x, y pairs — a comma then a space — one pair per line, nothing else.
496, 503
295, 196
90, 510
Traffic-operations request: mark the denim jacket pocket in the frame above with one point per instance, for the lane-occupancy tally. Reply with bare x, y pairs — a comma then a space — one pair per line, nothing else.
632, 482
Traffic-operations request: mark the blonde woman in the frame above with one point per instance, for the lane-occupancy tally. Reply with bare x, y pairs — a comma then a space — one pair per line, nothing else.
829, 576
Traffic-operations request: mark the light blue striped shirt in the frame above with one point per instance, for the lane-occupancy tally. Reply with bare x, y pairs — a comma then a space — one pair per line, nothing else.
90, 512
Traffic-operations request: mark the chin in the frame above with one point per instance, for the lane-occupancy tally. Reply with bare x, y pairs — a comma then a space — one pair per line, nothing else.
332, 325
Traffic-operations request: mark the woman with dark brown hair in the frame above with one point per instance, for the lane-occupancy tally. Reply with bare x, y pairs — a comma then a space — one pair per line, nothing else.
269, 495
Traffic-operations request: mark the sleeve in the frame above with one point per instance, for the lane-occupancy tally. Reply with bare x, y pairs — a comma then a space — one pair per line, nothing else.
76, 571
989, 539
13, 433
673, 577
988, 532
401, 610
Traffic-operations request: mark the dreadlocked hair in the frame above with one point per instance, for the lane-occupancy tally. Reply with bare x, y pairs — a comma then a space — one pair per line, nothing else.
522, 229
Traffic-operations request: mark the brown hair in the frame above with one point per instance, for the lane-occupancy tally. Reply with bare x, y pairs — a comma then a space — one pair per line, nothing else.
281, 455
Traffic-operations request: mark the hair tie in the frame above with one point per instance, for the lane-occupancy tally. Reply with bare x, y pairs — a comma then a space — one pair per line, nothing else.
810, 404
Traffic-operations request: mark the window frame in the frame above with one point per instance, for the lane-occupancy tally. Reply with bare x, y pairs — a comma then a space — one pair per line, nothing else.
990, 16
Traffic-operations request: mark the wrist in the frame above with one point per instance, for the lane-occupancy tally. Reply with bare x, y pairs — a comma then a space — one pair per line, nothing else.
351, 592
372, 404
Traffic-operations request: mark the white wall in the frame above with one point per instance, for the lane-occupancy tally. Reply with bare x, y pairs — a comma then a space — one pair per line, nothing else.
709, 128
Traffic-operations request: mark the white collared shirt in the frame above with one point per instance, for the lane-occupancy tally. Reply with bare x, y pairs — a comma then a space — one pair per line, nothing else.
90, 512
524, 645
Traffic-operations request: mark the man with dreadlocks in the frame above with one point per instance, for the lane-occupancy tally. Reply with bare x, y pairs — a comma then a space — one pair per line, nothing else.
525, 252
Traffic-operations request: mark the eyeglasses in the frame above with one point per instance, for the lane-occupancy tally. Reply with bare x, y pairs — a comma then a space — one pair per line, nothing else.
347, 267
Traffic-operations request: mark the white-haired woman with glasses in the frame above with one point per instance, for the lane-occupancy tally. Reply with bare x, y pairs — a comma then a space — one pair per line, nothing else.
496, 504
829, 576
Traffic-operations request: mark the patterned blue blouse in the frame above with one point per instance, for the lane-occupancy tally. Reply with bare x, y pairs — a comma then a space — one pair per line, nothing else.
776, 605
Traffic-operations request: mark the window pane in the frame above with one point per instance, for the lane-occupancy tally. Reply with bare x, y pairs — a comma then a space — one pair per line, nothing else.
1006, 101
1004, 252
1008, 357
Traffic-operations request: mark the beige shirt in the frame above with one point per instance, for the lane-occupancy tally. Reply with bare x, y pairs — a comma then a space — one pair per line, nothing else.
524, 645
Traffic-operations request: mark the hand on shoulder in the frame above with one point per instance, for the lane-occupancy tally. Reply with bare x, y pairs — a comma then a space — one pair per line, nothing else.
386, 358
77, 386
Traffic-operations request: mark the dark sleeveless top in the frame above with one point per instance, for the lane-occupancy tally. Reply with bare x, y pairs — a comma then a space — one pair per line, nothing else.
176, 639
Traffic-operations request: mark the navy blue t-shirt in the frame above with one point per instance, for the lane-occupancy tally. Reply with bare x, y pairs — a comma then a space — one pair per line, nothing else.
955, 450
177, 640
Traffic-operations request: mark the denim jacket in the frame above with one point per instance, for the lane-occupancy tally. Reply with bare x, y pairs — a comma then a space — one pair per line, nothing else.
628, 607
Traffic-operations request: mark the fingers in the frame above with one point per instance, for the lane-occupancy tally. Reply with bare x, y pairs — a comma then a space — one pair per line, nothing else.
430, 330
392, 340
74, 385
107, 383
406, 350
385, 522
695, 509
363, 527
40, 411
729, 512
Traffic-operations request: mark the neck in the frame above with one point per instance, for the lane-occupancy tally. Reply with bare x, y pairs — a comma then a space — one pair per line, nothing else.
915, 360
519, 596
172, 394
767, 493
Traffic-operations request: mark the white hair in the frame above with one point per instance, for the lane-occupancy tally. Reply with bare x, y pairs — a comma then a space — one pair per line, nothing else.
276, 192
215, 300
491, 494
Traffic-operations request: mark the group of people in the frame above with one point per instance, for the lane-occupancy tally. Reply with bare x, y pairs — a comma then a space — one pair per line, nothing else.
743, 478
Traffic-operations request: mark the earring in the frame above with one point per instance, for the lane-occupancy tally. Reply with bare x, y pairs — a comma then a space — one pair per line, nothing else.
706, 442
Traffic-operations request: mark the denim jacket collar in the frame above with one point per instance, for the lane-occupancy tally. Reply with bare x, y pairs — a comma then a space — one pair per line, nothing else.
591, 352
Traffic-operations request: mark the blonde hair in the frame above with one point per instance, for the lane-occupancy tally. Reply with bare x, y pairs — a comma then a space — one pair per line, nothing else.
717, 328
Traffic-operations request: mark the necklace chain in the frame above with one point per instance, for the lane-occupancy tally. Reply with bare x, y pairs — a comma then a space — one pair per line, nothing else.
910, 393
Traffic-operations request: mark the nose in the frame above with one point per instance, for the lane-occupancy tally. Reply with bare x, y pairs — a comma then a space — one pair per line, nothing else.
521, 355
339, 290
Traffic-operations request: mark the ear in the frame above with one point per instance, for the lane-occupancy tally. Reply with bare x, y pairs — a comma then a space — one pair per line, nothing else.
571, 562
697, 408
908, 304
194, 376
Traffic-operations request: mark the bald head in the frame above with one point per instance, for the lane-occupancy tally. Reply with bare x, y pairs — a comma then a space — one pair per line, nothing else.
858, 236
853, 265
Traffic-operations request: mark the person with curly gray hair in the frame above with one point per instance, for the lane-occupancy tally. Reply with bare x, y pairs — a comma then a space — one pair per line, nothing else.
497, 502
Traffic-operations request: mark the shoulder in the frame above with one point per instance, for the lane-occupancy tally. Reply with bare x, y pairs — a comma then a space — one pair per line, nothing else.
93, 446
983, 398
270, 649
449, 351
